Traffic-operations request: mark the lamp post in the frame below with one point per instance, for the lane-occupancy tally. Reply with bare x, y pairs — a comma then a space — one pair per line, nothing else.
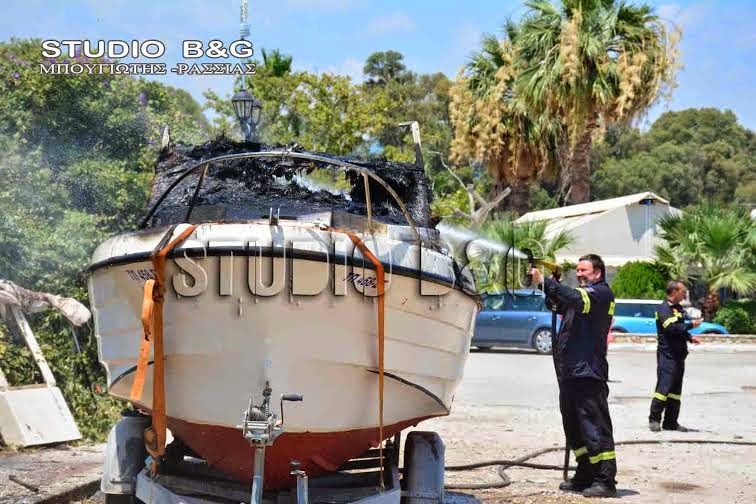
247, 109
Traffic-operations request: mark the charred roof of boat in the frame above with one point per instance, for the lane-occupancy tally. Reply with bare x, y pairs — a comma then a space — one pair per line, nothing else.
225, 180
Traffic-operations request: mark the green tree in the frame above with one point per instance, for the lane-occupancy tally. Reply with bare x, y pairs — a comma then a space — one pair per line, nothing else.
385, 66
713, 244
686, 156
648, 172
78, 159
332, 113
321, 112
273, 83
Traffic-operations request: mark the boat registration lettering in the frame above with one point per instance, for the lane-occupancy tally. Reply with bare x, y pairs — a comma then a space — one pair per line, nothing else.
364, 281
141, 275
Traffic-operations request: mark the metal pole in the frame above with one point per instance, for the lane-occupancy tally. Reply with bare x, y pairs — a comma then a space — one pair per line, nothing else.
302, 490
259, 475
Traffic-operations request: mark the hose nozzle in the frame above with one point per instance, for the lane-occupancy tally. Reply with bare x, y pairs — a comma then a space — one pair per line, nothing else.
535, 262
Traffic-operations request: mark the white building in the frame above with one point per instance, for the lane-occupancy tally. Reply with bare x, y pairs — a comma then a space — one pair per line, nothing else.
618, 229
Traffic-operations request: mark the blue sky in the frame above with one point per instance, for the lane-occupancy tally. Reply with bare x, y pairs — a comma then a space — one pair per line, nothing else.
336, 36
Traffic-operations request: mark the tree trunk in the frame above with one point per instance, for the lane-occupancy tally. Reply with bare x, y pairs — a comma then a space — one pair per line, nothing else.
710, 306
519, 199
525, 171
580, 165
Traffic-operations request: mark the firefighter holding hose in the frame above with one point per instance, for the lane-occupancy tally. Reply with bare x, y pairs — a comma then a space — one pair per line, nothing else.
582, 372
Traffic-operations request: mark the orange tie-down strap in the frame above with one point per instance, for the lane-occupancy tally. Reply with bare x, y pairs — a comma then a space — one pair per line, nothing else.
381, 286
152, 326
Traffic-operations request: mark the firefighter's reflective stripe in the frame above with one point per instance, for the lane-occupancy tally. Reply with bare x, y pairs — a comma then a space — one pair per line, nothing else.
586, 300
611, 308
607, 455
580, 451
671, 320
674, 396
659, 396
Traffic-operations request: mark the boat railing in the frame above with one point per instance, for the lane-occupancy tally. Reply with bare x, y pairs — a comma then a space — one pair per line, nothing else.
202, 166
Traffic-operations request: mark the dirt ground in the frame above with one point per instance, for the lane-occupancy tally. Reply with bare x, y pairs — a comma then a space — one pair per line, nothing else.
60, 473
507, 407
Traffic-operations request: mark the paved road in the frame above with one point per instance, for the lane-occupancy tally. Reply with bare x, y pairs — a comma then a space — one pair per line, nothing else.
507, 406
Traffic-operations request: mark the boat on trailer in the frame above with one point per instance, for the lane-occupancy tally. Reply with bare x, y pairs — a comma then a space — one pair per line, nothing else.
290, 302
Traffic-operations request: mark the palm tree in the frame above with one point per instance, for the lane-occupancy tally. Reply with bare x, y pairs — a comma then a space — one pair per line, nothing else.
530, 105
532, 235
492, 126
714, 245
590, 63
276, 62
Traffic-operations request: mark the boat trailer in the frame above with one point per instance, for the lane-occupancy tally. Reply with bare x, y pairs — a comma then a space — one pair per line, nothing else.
372, 478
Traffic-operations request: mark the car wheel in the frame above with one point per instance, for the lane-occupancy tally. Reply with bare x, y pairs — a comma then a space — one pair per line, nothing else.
542, 341
483, 348
618, 330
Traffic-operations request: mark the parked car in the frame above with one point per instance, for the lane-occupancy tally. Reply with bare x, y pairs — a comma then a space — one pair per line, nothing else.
638, 316
520, 320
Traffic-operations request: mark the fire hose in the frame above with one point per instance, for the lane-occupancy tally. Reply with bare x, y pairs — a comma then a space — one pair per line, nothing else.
522, 461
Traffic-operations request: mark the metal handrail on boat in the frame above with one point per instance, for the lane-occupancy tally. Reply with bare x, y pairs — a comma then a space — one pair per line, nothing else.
331, 162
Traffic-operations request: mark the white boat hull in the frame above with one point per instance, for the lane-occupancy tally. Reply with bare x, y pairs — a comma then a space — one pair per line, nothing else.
238, 325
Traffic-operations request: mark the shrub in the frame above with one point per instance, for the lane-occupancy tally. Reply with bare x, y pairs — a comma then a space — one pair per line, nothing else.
749, 305
735, 316
639, 280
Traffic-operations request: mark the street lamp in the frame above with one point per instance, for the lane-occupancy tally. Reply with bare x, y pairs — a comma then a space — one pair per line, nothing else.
247, 109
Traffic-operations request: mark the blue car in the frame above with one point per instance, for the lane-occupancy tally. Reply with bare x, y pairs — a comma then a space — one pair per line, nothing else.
514, 320
638, 316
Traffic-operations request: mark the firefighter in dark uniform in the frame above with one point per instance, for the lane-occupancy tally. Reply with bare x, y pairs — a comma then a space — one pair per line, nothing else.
582, 373
672, 328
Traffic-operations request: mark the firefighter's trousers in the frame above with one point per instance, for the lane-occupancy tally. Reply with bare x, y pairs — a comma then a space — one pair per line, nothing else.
669, 381
588, 427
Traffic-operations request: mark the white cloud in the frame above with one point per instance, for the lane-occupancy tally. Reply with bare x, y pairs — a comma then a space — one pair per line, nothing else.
391, 23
